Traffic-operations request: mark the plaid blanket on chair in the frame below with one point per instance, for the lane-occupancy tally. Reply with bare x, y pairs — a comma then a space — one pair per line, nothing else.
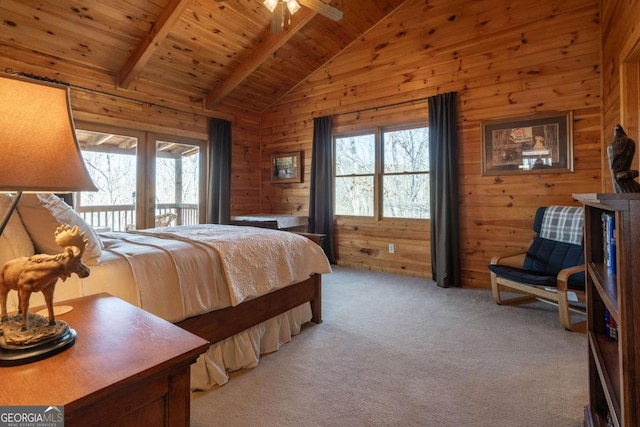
563, 224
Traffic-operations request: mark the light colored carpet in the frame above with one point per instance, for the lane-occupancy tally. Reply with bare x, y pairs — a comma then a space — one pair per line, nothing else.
399, 351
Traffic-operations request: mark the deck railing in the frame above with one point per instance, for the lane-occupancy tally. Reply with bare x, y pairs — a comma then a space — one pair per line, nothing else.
123, 217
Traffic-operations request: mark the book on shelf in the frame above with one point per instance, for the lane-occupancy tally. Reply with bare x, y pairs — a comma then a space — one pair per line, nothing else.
609, 241
611, 327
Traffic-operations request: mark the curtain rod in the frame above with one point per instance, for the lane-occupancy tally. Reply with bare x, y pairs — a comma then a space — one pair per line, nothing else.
463, 92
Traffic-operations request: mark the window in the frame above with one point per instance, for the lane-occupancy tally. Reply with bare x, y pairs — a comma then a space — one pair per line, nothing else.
405, 180
383, 173
355, 172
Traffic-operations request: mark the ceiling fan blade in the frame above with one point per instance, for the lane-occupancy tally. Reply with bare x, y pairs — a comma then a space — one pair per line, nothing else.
323, 9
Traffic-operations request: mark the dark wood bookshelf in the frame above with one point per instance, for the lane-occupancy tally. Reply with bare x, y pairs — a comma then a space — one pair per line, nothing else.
614, 364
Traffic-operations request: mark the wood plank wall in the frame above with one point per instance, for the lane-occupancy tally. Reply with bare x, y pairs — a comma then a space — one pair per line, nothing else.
504, 59
410, 237
620, 38
245, 182
95, 99
361, 241
121, 112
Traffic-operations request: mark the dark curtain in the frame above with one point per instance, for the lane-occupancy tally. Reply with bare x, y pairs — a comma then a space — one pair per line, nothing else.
321, 200
219, 177
443, 182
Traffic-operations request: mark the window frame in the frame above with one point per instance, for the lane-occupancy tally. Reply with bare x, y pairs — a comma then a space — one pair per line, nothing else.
378, 174
374, 174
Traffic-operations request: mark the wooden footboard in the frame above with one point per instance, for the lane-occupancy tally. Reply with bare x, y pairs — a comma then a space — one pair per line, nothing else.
221, 324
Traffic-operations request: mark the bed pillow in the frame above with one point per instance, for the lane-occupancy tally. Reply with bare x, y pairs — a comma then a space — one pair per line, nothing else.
14, 241
41, 214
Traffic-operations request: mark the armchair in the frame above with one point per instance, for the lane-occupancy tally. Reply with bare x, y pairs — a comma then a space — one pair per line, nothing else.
551, 269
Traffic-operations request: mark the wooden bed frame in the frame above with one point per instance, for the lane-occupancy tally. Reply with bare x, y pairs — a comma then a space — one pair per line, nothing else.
218, 325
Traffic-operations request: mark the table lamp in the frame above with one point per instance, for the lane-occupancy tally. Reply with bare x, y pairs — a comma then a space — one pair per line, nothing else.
39, 152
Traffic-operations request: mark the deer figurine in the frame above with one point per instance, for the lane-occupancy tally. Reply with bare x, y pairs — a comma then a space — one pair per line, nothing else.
40, 272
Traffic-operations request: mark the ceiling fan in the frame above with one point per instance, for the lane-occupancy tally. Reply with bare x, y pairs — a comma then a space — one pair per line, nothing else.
283, 9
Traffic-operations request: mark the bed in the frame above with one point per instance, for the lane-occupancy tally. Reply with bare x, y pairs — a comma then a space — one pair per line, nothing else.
247, 290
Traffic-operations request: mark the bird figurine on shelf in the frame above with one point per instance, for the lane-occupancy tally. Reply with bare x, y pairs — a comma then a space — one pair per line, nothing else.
621, 152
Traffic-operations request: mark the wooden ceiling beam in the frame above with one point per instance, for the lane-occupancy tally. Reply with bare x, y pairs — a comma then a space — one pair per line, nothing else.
323, 8
249, 65
148, 46
101, 139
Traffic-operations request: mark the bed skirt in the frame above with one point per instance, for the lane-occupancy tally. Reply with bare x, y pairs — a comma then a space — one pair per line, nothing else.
243, 350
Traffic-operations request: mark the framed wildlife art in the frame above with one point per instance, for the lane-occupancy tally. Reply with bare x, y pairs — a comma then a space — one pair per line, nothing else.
286, 167
542, 143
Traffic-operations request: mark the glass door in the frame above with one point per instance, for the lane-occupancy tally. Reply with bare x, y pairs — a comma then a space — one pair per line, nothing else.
111, 159
177, 182
144, 180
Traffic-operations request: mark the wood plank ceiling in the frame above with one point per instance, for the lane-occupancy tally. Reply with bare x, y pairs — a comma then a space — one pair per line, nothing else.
200, 55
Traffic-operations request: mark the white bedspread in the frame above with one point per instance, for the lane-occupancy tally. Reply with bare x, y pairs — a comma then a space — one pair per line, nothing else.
254, 260
184, 271
180, 272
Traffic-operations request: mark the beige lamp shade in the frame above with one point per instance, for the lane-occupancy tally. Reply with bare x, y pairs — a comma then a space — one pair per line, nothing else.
38, 146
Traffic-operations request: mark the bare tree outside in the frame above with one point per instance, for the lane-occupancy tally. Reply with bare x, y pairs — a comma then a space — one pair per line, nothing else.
115, 176
187, 169
405, 174
112, 163
177, 182
355, 168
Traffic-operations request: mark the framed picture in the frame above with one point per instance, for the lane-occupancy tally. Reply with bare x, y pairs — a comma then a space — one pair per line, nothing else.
286, 167
542, 143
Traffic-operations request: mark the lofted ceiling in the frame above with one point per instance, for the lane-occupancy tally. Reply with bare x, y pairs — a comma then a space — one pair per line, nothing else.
201, 55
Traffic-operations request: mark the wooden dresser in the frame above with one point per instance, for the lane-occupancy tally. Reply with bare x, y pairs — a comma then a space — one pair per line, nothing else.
274, 221
127, 368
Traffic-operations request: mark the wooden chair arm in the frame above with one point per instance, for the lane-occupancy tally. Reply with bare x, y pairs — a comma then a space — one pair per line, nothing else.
509, 259
564, 274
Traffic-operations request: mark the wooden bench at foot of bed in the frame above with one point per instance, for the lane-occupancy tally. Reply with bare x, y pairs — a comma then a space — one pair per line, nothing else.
218, 325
